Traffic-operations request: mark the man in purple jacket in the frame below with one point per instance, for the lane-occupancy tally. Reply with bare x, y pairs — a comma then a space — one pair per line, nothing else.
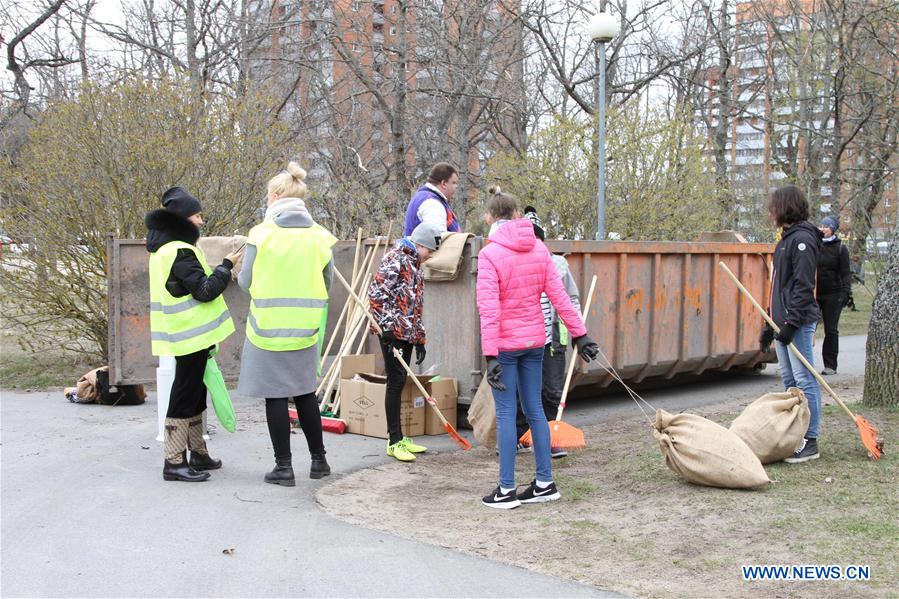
430, 203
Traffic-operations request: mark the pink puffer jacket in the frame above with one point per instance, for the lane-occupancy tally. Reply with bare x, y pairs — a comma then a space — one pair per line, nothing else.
513, 270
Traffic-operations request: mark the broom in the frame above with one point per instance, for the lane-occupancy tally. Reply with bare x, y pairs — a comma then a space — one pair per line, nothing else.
866, 430
449, 428
562, 434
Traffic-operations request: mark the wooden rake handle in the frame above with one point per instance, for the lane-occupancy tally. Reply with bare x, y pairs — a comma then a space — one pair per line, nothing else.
792, 347
574, 358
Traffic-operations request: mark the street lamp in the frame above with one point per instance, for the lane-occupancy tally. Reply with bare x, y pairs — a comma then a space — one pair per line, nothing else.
601, 28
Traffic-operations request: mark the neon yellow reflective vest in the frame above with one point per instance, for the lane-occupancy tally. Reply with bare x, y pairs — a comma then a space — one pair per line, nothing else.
183, 325
288, 297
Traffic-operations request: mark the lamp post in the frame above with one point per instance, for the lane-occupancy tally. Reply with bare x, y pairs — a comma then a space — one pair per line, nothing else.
601, 28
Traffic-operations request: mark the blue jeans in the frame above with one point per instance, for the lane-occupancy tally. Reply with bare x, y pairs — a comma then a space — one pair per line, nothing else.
794, 374
522, 375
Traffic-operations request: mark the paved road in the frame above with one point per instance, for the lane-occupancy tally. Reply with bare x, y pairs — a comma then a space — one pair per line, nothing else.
85, 511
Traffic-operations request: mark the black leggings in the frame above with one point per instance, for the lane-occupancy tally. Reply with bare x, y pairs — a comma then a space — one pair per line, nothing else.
278, 419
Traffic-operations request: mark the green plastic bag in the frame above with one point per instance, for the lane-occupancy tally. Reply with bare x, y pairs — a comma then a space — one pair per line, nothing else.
221, 401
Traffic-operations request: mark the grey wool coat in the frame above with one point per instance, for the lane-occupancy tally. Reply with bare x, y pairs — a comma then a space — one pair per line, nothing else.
270, 374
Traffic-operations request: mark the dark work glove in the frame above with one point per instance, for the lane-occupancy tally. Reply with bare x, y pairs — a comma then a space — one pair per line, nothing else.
766, 339
786, 333
586, 348
420, 354
494, 374
845, 300
388, 339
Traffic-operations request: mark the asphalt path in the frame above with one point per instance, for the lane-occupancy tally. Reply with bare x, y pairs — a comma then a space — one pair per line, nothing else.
85, 511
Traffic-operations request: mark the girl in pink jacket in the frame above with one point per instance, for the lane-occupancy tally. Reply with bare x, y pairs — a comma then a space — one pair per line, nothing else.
514, 269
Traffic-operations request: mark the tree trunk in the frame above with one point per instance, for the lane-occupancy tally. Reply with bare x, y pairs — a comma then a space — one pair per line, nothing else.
882, 352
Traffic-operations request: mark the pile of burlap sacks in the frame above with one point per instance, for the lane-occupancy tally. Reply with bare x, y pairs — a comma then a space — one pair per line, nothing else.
698, 450
769, 430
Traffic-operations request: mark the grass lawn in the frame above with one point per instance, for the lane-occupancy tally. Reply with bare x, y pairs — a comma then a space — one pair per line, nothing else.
856, 323
627, 523
48, 368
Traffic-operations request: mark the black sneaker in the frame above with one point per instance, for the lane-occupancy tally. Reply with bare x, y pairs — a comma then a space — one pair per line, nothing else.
806, 452
557, 452
535, 494
500, 500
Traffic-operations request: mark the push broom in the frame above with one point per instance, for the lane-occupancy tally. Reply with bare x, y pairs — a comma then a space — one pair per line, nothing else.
449, 428
562, 434
866, 430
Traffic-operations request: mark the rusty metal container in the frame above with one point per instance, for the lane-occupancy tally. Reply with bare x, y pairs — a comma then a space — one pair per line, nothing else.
661, 309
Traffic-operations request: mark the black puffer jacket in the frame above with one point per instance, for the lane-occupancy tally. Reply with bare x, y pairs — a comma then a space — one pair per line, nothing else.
834, 276
187, 275
793, 284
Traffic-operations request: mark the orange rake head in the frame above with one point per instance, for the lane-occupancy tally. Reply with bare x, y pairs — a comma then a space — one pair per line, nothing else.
452, 432
561, 435
870, 437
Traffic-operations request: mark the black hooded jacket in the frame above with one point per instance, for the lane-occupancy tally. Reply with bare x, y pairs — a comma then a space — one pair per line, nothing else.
187, 275
793, 283
834, 276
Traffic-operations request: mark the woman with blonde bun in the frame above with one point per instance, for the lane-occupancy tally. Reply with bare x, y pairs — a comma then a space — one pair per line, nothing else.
287, 272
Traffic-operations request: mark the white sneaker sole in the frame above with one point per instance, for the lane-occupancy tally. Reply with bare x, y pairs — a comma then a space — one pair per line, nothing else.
542, 498
506, 505
802, 460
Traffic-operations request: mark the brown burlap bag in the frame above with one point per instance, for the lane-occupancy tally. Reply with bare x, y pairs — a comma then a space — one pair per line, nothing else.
773, 425
86, 387
443, 265
482, 415
706, 453
216, 248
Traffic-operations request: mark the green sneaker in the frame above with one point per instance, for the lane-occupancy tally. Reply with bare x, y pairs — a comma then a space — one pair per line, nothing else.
412, 447
399, 451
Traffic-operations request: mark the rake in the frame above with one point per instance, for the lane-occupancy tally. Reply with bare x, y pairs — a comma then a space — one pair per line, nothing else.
449, 428
867, 431
562, 434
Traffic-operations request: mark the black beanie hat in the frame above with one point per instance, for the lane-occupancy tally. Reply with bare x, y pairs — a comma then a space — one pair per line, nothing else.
530, 213
177, 200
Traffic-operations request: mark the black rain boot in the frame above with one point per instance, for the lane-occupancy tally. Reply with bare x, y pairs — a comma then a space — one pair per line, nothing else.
282, 474
319, 467
199, 455
182, 471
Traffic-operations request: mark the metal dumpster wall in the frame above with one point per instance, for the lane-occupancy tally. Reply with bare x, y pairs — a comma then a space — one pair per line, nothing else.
665, 308
130, 360
661, 309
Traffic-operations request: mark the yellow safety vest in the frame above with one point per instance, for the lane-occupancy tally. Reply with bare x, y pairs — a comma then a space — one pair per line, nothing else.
183, 325
289, 300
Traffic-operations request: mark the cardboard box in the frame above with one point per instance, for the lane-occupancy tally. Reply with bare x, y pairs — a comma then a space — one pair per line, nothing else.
446, 393
352, 365
362, 405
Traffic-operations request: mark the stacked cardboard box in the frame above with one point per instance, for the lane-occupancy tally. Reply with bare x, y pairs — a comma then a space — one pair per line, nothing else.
362, 401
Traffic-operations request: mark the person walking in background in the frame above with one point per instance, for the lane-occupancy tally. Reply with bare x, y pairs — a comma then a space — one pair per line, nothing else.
834, 289
431, 203
557, 339
396, 299
188, 317
792, 304
287, 272
513, 271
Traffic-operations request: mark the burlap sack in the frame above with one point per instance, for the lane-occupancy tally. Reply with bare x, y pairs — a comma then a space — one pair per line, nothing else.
86, 387
216, 248
773, 425
482, 415
443, 265
706, 453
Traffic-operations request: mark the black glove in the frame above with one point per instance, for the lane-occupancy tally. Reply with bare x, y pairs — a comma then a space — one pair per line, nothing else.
786, 333
766, 339
845, 300
494, 374
420, 354
388, 339
586, 348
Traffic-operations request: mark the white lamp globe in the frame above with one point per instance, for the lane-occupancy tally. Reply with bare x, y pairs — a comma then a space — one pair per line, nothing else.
602, 27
